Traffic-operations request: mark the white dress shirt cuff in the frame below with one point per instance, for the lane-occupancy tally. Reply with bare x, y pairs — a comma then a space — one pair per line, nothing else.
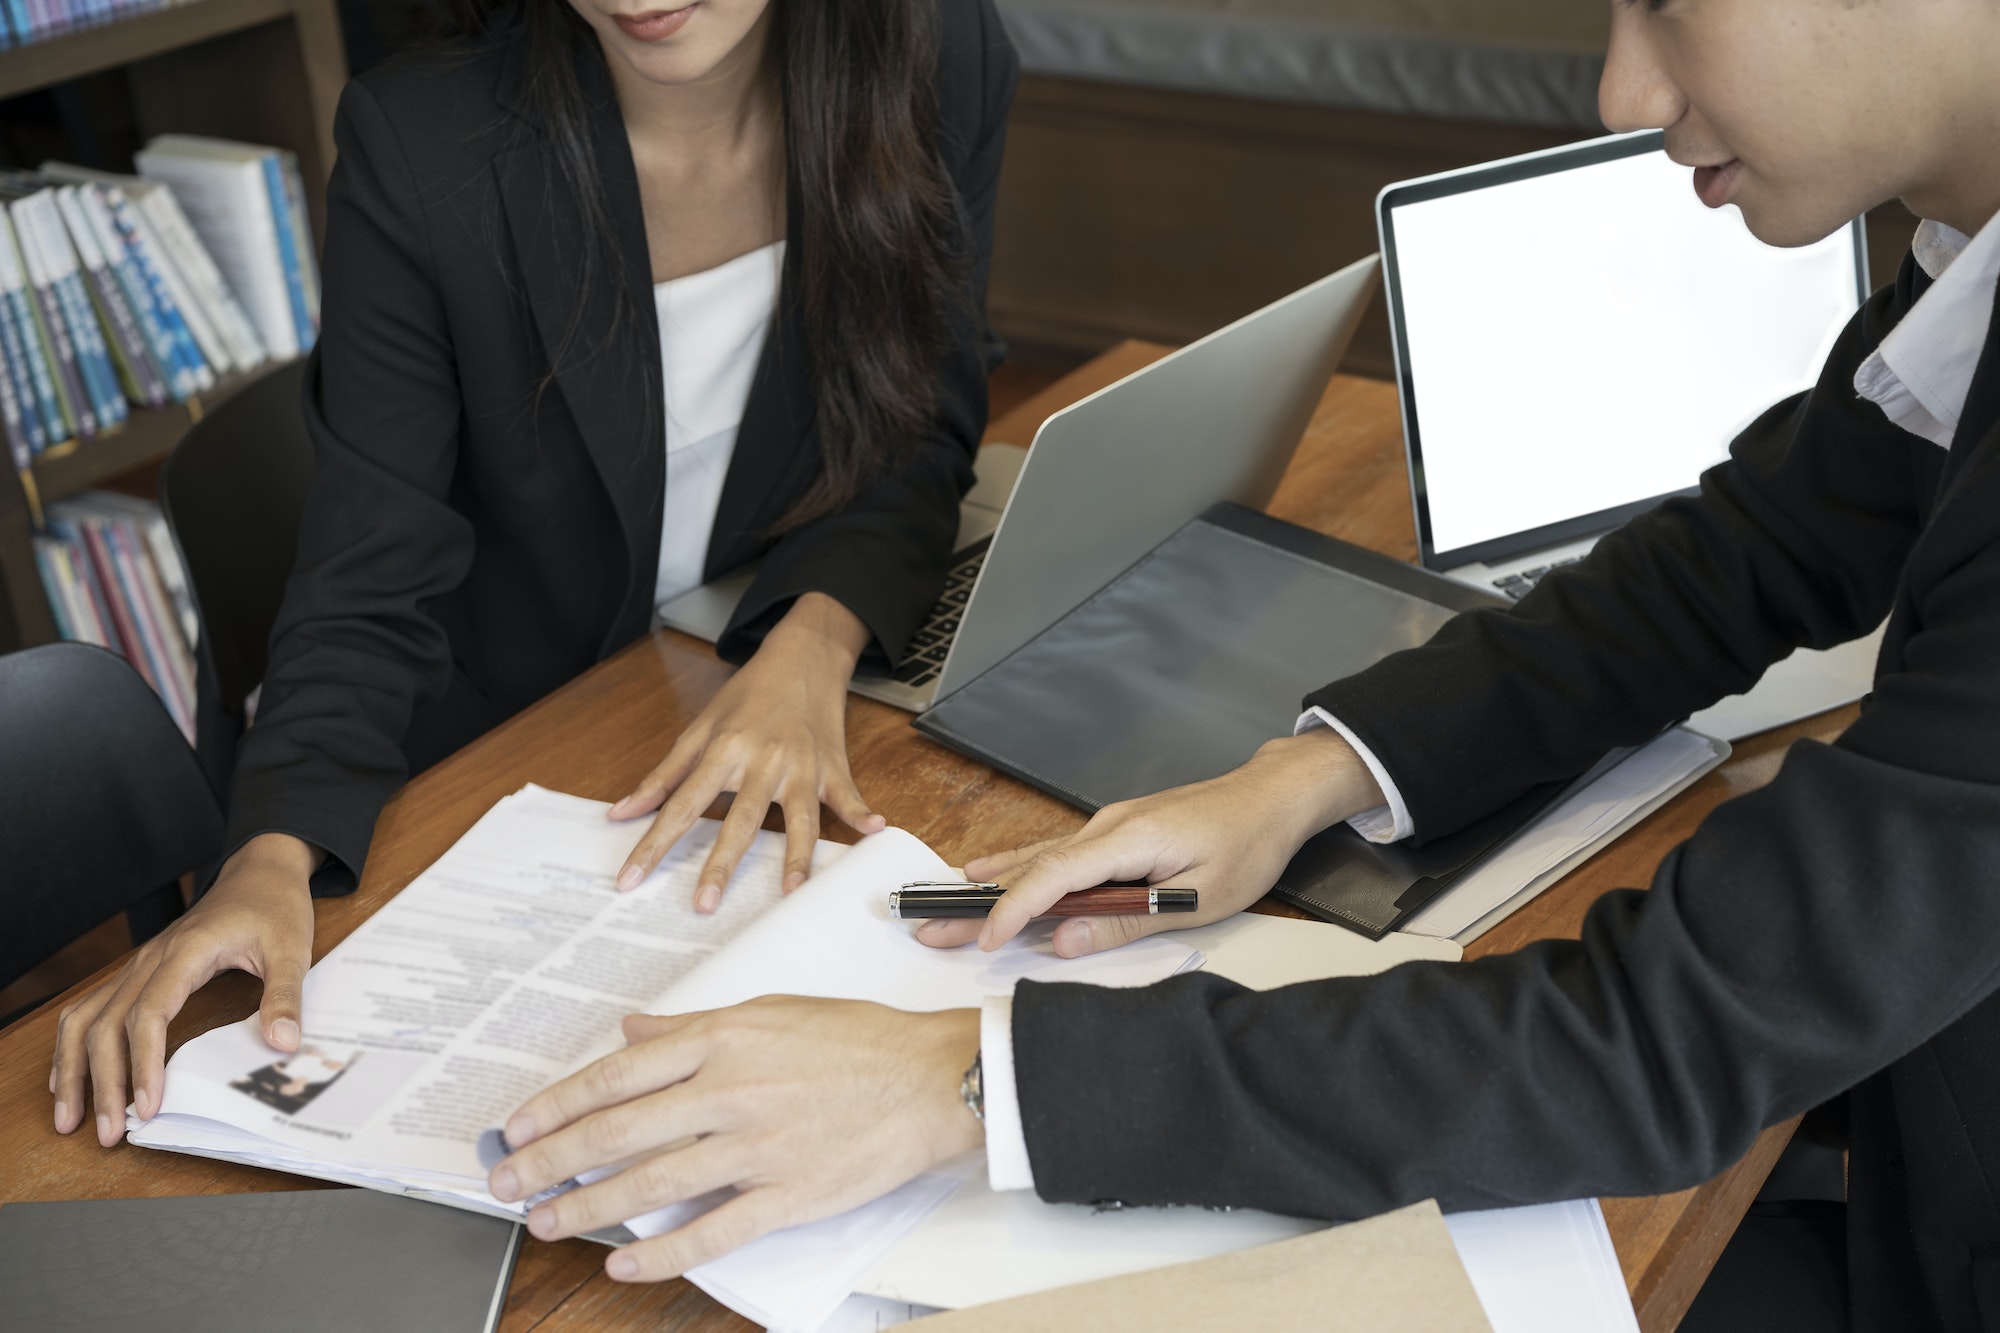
1388, 822
1007, 1166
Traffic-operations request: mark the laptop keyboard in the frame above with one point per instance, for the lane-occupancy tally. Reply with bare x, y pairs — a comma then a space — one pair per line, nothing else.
1517, 585
929, 644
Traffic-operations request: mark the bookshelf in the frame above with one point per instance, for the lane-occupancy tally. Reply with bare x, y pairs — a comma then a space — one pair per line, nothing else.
263, 71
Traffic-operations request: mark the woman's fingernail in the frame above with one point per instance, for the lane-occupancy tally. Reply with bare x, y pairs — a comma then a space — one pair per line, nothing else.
708, 899
52, 1080
542, 1222
617, 811
285, 1034
140, 1102
104, 1131
629, 877
931, 927
792, 881
62, 1117
504, 1184
520, 1131
622, 1266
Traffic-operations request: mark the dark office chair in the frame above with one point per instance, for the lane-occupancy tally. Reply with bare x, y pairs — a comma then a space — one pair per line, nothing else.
234, 491
102, 805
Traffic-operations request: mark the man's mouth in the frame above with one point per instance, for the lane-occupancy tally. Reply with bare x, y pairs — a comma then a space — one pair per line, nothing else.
1716, 183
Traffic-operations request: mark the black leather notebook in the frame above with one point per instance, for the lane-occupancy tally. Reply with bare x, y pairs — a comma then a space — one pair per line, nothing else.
1183, 665
304, 1261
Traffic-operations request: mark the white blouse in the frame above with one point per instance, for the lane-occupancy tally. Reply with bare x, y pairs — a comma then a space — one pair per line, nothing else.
712, 328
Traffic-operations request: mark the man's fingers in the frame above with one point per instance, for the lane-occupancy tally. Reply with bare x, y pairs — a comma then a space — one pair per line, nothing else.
949, 932
995, 864
845, 800
801, 834
628, 1131
1084, 862
715, 1233
656, 1181
676, 817
618, 1077
1082, 935
644, 1027
739, 830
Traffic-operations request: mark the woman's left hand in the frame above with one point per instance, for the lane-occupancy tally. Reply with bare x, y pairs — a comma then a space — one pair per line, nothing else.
775, 734
806, 1107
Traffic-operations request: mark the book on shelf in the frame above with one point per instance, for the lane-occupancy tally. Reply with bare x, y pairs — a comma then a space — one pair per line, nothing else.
117, 299
108, 298
240, 199
25, 22
154, 218
114, 578
53, 268
50, 329
34, 369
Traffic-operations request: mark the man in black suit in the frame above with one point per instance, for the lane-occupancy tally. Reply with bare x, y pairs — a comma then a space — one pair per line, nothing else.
1835, 935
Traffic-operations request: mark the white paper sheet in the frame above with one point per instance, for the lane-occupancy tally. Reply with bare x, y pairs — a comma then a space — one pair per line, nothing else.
1543, 1269
1566, 836
510, 962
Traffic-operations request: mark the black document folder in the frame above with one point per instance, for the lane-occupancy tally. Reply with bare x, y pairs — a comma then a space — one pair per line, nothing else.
1182, 666
304, 1261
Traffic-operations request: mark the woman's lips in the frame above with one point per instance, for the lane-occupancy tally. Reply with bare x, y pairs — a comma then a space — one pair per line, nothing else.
1715, 184
654, 26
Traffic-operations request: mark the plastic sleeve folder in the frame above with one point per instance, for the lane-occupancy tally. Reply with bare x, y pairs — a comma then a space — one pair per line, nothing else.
1178, 669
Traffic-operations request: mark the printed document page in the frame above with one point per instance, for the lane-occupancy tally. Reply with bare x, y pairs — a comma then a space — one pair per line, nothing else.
510, 962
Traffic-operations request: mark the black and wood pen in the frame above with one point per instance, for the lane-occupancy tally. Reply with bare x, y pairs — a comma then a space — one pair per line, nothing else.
923, 900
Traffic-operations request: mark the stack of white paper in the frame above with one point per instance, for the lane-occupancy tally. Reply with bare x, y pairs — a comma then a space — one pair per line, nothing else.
510, 962
1561, 839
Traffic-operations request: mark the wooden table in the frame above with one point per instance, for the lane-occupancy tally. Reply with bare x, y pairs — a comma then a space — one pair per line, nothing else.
597, 735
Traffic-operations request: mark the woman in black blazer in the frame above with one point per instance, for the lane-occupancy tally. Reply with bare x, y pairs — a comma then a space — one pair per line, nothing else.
491, 430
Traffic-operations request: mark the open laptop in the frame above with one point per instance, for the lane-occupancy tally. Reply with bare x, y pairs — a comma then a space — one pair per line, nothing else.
1578, 338
1106, 480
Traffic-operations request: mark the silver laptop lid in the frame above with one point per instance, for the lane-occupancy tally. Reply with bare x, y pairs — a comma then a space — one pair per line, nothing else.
1113, 476
1577, 338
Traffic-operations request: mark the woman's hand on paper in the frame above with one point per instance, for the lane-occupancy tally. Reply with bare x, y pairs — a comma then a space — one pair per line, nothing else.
257, 918
1229, 837
775, 734
806, 1108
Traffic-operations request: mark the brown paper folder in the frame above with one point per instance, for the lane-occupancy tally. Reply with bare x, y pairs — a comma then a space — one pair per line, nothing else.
1397, 1273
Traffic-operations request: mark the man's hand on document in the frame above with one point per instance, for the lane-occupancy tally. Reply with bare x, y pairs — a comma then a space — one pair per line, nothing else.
806, 1107
258, 918
1229, 838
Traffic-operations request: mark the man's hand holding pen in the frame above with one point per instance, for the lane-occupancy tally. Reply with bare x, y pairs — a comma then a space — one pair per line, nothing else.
1228, 839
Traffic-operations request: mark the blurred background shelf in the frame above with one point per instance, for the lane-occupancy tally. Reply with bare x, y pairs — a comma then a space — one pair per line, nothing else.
259, 71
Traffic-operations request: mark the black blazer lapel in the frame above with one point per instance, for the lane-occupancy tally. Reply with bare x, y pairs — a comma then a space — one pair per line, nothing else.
598, 323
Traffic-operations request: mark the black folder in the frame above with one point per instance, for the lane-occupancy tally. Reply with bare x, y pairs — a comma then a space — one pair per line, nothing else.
1182, 666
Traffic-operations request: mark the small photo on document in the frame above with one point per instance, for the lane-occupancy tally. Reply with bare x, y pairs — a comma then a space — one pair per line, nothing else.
290, 1085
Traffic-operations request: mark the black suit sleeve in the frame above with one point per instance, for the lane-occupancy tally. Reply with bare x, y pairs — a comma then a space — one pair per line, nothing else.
895, 537
1807, 936
1795, 541
353, 649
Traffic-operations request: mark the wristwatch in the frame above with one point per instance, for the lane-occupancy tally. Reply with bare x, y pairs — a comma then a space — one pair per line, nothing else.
972, 1087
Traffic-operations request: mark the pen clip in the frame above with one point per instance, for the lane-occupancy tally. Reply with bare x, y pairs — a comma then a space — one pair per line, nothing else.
948, 884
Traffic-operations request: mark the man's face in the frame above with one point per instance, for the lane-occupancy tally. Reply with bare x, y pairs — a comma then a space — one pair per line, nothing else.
1803, 113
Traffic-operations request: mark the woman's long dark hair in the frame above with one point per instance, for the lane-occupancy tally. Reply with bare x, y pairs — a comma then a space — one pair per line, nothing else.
881, 279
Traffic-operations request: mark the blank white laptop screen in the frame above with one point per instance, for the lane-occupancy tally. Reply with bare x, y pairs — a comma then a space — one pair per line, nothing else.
1592, 337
